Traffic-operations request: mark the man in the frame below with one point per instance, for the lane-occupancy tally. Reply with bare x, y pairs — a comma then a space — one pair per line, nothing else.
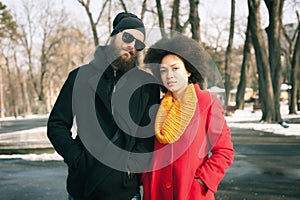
111, 110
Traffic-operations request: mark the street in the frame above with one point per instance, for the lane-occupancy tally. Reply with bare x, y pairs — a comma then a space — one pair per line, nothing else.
22, 124
21, 136
266, 166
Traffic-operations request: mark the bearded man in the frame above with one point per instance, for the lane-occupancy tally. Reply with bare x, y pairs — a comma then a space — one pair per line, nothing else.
110, 110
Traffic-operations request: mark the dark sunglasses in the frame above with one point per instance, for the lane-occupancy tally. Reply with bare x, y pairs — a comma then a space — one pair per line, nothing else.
128, 38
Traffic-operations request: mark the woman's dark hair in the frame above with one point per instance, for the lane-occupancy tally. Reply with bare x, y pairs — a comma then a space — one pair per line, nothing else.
194, 57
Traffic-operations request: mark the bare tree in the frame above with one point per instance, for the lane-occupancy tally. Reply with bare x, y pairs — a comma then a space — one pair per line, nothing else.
8, 31
22, 81
42, 33
12, 98
175, 23
219, 29
295, 73
195, 20
27, 33
266, 94
175, 18
144, 8
291, 54
244, 69
1, 93
160, 18
228, 60
123, 6
273, 31
52, 30
94, 23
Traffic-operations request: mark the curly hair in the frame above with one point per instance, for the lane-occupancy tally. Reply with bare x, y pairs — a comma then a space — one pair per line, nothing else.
194, 57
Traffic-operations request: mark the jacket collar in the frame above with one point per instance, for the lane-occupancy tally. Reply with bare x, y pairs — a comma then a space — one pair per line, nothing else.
104, 71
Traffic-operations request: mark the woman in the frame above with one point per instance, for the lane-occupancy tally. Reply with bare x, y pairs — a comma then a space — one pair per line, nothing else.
193, 145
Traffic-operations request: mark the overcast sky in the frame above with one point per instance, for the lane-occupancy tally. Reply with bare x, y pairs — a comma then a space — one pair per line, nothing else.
212, 13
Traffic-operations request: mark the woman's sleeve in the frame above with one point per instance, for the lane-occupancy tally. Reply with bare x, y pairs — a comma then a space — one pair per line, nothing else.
221, 147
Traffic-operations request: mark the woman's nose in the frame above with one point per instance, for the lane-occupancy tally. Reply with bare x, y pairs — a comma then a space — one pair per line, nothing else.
170, 74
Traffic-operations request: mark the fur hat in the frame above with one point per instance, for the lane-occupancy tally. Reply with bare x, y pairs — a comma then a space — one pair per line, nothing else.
195, 58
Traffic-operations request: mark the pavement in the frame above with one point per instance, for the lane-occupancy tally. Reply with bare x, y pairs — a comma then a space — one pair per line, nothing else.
23, 136
266, 167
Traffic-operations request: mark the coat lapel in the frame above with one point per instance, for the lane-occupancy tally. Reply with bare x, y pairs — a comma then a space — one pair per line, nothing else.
100, 64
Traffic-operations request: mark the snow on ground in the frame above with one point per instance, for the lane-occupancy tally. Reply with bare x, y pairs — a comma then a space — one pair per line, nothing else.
244, 119
27, 117
33, 157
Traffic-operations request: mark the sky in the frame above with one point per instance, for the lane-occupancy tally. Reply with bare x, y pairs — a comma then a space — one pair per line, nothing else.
212, 14
207, 8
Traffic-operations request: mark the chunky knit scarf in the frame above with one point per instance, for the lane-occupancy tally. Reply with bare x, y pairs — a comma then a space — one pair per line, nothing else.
174, 115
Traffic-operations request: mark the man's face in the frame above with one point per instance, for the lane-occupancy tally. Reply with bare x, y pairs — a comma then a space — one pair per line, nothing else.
126, 49
125, 52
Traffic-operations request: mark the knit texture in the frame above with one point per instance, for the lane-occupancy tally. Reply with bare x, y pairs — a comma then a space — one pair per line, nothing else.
174, 115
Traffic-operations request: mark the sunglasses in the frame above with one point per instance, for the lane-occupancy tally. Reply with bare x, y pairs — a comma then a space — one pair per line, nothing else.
128, 38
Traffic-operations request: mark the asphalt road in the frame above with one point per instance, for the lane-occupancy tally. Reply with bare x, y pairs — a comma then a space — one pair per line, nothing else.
266, 167
22, 136
21, 124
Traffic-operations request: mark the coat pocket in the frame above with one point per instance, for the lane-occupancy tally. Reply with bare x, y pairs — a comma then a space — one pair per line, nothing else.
199, 191
78, 173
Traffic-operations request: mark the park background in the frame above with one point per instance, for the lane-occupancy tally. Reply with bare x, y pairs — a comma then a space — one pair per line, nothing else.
256, 54
254, 44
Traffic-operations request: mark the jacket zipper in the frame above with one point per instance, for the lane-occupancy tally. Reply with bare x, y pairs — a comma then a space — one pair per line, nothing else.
115, 78
114, 89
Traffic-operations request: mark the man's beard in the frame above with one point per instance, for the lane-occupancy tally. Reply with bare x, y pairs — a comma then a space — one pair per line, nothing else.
122, 64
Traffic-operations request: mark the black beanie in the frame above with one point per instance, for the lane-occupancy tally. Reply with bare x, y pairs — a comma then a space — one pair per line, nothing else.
127, 21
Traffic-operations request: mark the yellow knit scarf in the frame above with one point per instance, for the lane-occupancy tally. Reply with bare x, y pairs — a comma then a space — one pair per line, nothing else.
174, 115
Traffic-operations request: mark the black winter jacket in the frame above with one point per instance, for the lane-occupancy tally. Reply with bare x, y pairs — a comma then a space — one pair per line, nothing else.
111, 111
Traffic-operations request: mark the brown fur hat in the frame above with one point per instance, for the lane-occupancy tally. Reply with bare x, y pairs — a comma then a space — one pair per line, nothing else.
194, 56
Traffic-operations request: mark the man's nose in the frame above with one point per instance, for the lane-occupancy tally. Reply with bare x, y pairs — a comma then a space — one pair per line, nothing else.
131, 45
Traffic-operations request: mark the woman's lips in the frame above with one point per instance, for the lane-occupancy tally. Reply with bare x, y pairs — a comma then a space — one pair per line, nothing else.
171, 83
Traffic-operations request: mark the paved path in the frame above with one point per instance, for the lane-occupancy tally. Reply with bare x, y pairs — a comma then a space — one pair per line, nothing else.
21, 124
266, 167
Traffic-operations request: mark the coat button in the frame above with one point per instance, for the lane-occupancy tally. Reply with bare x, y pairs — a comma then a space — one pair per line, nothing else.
168, 185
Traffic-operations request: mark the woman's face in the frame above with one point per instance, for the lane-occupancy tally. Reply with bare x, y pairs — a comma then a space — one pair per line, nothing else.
174, 75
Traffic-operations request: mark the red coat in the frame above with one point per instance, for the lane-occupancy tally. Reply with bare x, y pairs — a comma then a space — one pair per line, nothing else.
178, 165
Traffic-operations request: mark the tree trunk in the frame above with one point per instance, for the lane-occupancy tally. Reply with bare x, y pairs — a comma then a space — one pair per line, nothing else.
244, 69
144, 8
12, 89
228, 60
195, 20
273, 32
1, 94
266, 94
123, 6
93, 23
175, 24
160, 18
294, 75
26, 107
